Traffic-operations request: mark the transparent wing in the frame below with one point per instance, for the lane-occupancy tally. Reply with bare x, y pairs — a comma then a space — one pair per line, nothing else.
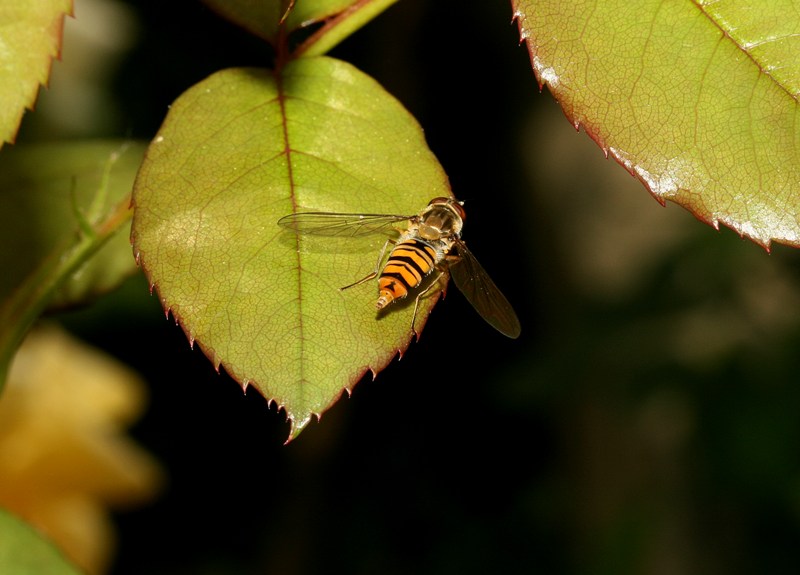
480, 291
338, 224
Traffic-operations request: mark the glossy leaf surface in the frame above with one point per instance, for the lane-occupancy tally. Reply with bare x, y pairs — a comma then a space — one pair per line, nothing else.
237, 152
30, 37
696, 99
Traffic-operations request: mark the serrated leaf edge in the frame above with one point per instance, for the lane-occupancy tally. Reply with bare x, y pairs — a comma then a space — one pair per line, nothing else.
546, 77
296, 425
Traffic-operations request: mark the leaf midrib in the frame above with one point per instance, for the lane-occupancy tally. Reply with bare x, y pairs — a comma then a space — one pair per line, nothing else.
727, 36
287, 150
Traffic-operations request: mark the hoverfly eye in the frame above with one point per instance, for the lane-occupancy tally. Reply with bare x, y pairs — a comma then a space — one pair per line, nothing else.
459, 207
456, 205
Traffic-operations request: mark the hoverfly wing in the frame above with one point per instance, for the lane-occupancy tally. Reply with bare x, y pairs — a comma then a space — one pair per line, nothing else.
339, 224
479, 289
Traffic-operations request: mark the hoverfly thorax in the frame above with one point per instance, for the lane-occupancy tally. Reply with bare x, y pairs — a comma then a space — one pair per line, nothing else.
444, 217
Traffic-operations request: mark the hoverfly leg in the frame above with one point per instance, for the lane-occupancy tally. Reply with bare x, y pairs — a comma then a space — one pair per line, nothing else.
372, 275
366, 278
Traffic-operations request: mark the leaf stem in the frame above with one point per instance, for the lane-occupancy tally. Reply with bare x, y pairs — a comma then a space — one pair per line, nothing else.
26, 303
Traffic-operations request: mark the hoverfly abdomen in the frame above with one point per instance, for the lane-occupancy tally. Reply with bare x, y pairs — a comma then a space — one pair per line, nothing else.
409, 262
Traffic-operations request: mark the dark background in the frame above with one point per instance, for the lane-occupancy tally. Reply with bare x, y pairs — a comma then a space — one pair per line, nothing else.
646, 421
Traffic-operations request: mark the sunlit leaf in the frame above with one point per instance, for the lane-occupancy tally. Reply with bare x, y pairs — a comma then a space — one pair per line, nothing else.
30, 37
696, 99
237, 152
23, 551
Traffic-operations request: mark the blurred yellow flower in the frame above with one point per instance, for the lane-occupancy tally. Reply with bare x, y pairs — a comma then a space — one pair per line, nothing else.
63, 455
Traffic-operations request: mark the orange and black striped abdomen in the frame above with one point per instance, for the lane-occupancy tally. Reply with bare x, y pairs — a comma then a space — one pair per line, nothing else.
410, 261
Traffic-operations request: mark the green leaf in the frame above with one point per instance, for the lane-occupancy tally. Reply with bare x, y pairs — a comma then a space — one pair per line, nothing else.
261, 17
340, 17
343, 18
46, 191
30, 37
61, 204
237, 152
696, 99
23, 551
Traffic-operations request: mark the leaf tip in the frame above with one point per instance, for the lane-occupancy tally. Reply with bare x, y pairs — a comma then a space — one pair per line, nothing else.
296, 426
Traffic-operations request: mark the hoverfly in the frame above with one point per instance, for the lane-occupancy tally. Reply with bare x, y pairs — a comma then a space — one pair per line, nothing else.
432, 241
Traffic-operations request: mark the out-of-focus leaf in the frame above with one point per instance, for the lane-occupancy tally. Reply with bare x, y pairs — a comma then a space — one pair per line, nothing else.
340, 17
237, 152
30, 37
696, 99
59, 205
24, 552
41, 186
